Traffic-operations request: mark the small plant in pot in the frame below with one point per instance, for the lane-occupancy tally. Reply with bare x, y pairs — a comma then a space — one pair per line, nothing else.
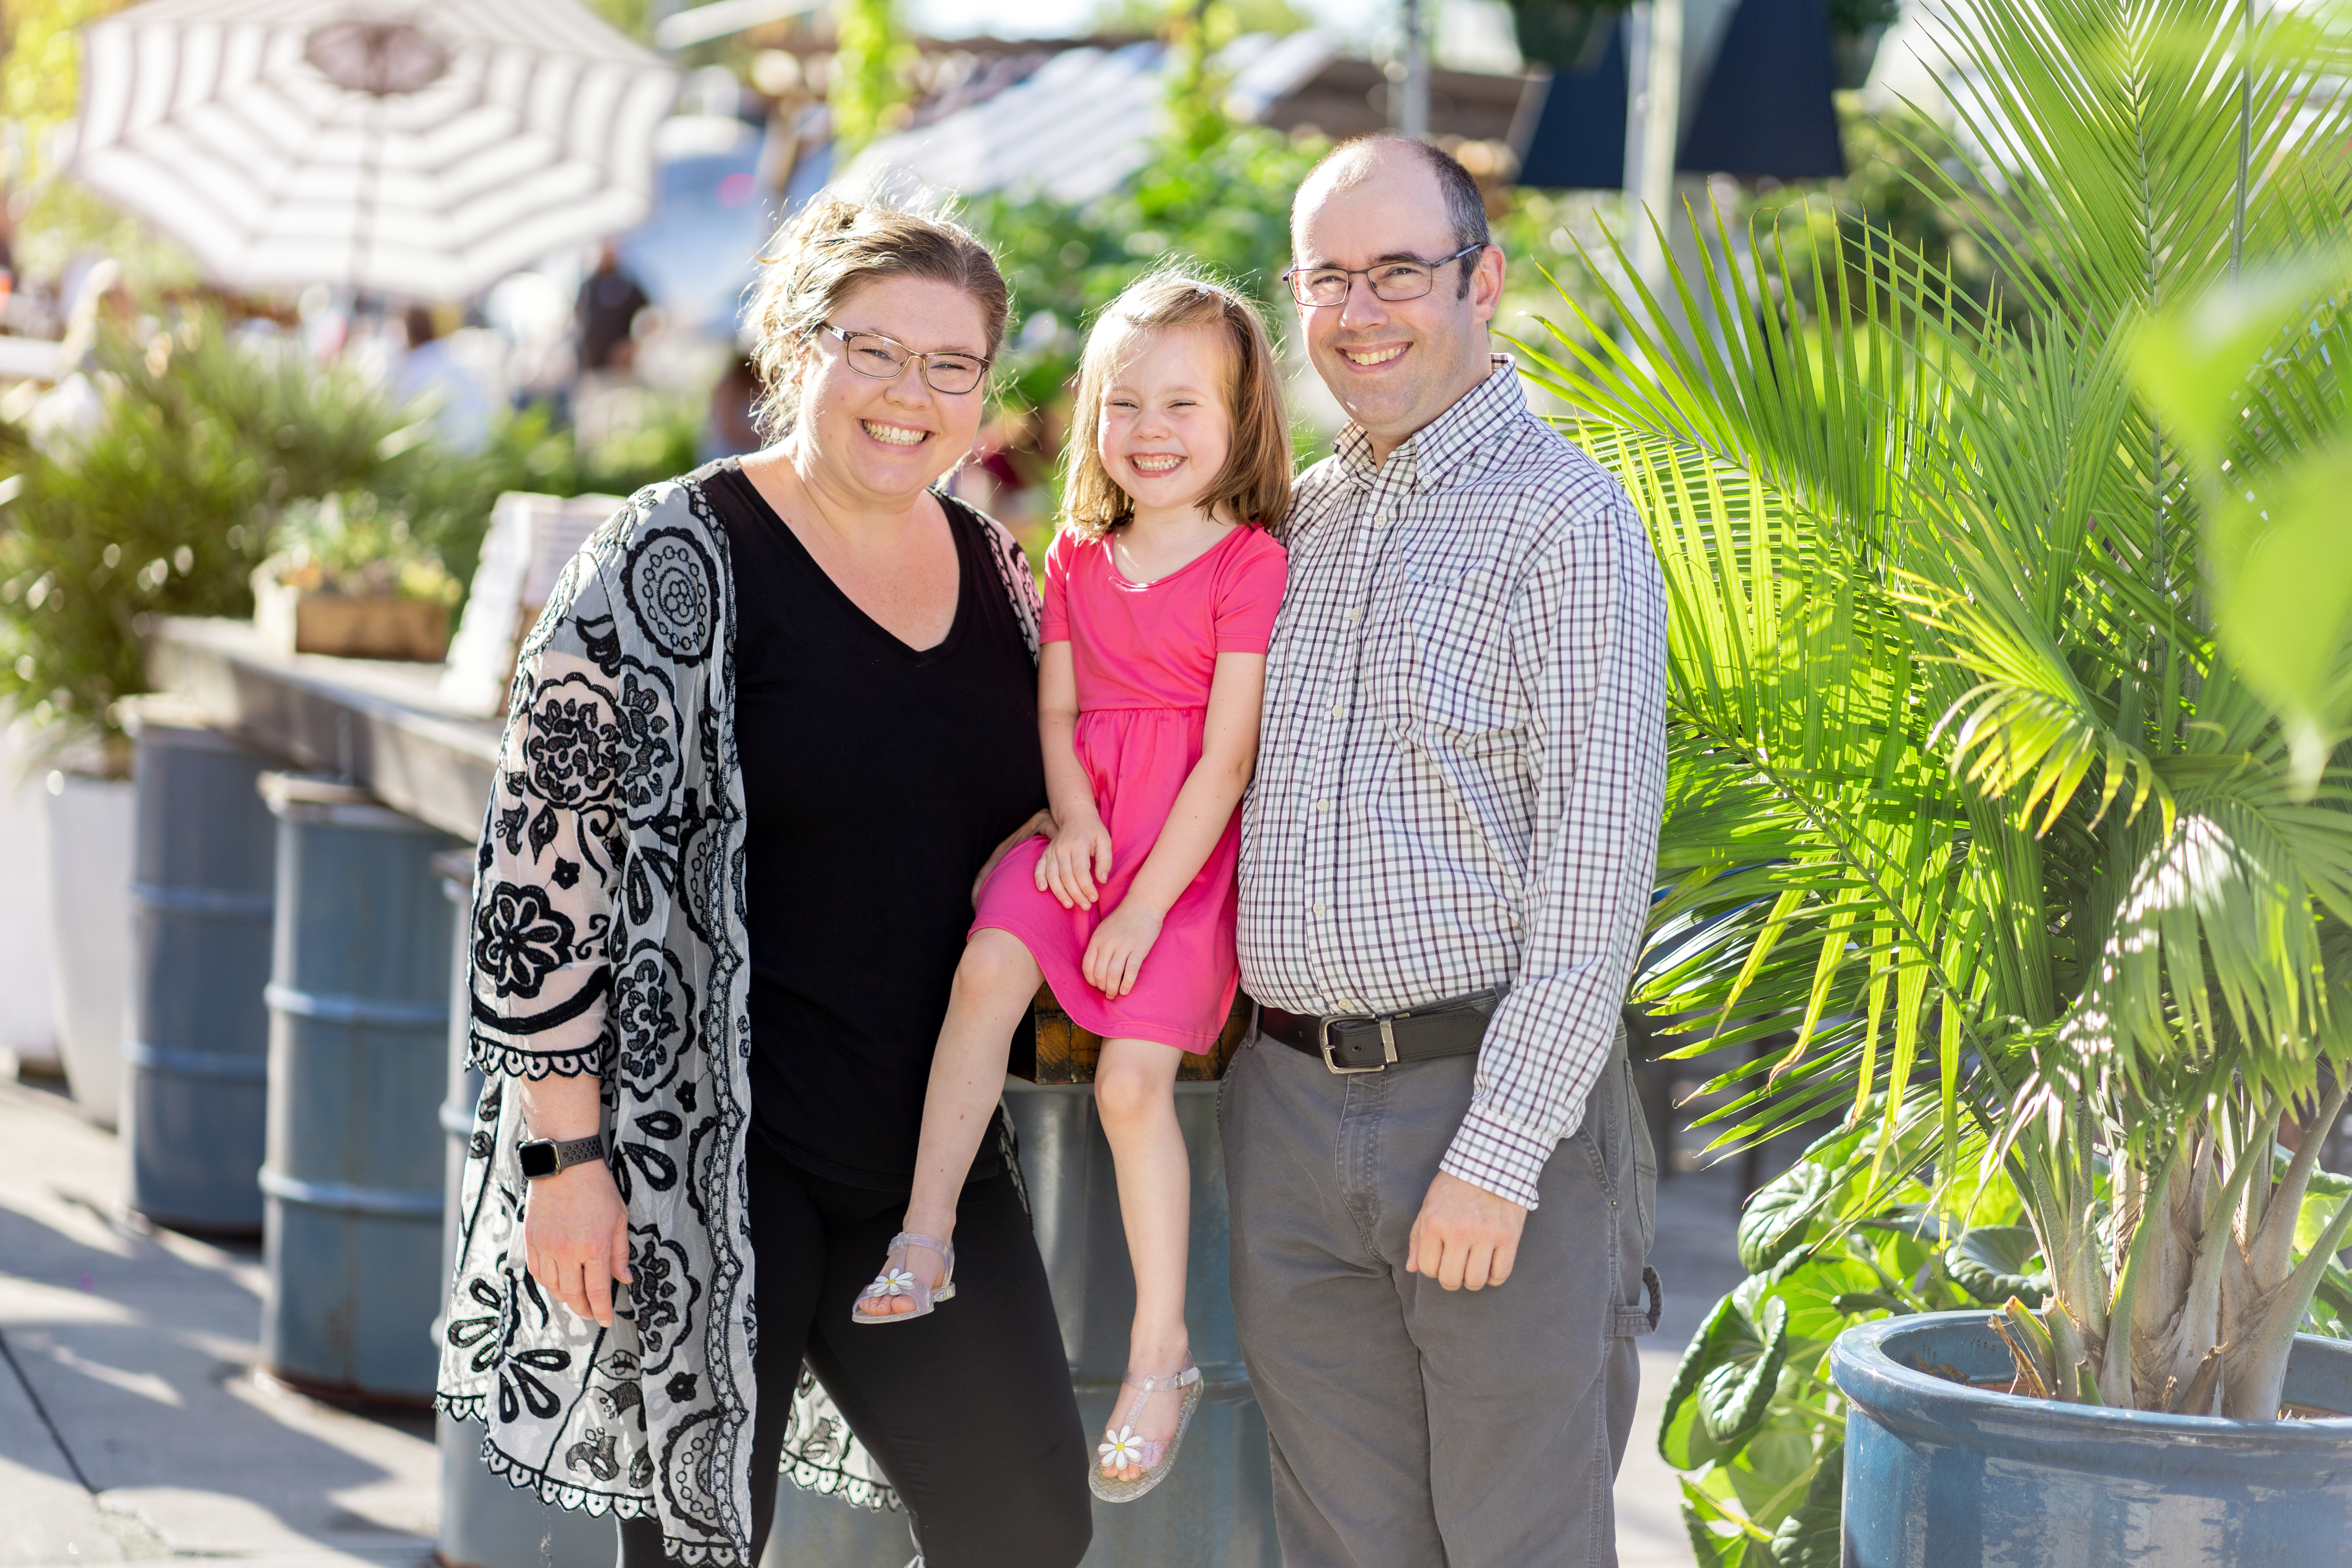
2009, 697
351, 579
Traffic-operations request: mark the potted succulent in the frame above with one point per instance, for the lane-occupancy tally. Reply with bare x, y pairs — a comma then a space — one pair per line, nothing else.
2010, 694
352, 579
164, 505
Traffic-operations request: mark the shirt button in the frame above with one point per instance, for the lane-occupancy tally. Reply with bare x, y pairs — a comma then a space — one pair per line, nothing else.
1319, 906
1339, 710
1354, 615
1322, 805
1379, 519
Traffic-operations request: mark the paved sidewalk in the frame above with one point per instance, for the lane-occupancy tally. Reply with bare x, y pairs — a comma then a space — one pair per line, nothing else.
132, 1426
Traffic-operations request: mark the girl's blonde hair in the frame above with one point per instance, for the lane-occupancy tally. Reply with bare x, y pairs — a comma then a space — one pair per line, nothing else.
831, 249
1254, 485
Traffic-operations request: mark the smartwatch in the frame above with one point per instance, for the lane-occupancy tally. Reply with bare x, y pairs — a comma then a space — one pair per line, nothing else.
546, 1157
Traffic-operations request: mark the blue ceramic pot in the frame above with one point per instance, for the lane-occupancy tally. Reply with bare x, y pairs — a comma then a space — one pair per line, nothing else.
1939, 1475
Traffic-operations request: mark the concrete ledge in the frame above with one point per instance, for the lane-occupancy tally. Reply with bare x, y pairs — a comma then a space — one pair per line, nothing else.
378, 724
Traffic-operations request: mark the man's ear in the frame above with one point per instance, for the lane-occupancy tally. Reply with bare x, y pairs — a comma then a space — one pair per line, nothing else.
1487, 284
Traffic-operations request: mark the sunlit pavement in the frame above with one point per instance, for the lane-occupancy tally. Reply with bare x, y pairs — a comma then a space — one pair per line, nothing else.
152, 1438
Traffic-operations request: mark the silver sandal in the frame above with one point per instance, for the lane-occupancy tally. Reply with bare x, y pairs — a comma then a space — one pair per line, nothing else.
900, 1280
1124, 1448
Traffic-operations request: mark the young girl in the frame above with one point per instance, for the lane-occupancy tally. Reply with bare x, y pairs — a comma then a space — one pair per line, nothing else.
1159, 596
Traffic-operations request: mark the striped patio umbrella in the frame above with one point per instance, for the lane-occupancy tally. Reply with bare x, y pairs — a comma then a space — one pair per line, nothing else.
414, 148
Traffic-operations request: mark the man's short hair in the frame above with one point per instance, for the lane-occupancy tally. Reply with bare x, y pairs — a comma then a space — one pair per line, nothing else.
1465, 205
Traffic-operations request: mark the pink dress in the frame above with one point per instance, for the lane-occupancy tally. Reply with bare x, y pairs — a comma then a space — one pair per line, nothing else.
1145, 654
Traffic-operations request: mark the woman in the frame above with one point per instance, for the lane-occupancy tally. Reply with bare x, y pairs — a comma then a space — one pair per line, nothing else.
778, 717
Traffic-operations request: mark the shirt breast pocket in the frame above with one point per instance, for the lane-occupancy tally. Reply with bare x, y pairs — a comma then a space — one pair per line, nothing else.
1457, 685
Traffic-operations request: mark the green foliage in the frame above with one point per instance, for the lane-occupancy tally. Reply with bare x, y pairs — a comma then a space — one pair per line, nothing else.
1994, 1262
355, 544
163, 507
1773, 1223
2248, 375
871, 57
1967, 785
203, 444
1763, 1459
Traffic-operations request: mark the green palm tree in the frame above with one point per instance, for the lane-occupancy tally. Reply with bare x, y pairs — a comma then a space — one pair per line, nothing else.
1967, 784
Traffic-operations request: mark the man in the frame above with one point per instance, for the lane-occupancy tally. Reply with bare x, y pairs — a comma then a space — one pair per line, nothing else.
1441, 1187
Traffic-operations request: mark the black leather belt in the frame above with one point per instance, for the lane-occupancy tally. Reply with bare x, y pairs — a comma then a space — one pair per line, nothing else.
1367, 1042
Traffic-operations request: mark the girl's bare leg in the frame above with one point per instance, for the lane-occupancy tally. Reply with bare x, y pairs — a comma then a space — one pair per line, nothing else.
993, 985
1135, 1093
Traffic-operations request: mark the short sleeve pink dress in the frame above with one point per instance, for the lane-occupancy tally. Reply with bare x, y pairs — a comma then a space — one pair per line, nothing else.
1144, 654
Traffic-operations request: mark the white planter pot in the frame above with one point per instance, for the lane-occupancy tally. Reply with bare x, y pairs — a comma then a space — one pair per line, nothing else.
90, 831
28, 1025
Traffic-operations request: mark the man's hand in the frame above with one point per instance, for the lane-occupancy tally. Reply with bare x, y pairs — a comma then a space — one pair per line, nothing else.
1465, 1236
575, 1238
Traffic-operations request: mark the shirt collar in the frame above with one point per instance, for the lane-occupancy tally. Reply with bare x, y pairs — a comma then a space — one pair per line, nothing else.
1443, 444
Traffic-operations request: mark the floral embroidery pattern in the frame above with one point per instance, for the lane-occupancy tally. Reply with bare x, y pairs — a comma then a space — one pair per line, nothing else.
572, 748
608, 937
520, 939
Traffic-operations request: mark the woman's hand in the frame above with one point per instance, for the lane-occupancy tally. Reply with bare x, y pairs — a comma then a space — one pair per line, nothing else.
1078, 859
1039, 826
1114, 957
575, 1238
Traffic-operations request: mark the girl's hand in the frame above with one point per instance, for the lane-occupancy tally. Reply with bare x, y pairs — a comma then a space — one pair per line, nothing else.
575, 1238
1039, 826
1078, 857
1114, 957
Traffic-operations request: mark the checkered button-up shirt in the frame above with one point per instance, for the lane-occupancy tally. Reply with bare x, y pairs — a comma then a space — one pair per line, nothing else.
1462, 761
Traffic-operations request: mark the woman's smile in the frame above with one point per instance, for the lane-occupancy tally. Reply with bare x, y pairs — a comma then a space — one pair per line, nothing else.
895, 435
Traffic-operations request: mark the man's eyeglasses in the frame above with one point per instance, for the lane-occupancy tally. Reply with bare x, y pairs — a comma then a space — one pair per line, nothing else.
1404, 278
871, 354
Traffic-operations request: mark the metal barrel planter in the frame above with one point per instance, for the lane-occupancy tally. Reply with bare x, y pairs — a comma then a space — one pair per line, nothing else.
195, 1055
486, 1521
1215, 1510
359, 1014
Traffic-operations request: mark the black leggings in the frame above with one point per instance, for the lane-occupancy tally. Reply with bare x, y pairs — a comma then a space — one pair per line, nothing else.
968, 1411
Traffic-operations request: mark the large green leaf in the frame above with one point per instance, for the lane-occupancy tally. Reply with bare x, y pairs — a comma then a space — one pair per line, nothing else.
1733, 1396
1724, 1383
1812, 1536
1994, 1262
1681, 1441
1773, 1224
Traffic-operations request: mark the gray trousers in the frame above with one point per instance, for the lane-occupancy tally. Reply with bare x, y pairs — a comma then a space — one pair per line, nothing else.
1414, 1427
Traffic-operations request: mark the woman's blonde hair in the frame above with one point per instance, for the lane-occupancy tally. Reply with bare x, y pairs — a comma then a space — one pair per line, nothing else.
831, 249
1254, 485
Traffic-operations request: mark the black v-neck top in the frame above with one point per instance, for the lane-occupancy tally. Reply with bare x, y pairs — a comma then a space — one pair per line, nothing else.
876, 779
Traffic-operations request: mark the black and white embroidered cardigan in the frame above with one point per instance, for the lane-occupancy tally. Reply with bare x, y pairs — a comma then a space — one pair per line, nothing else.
608, 936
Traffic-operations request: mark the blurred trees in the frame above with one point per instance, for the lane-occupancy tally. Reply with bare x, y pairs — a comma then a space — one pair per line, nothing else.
870, 65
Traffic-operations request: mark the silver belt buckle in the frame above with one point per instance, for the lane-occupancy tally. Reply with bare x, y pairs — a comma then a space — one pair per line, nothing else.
1388, 1042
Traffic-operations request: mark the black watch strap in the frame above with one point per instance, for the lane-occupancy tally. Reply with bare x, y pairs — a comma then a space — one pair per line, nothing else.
546, 1157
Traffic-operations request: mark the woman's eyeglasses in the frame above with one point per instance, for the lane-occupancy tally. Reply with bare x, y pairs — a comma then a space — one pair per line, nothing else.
871, 354
1404, 278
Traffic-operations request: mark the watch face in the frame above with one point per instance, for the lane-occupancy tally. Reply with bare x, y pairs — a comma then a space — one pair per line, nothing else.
538, 1159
